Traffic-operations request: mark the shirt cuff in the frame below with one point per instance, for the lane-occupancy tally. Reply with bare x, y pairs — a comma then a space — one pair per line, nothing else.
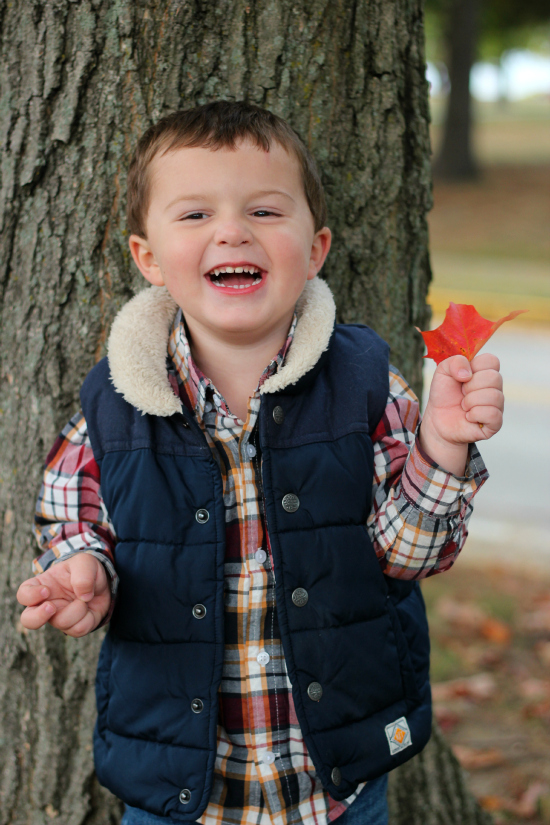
434, 491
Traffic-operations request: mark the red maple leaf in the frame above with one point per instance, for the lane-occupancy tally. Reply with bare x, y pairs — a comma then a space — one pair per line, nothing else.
463, 332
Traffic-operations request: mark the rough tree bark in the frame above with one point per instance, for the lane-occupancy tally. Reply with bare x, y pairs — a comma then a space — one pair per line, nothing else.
79, 82
456, 160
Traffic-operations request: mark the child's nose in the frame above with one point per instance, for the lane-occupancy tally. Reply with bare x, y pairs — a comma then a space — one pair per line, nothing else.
233, 233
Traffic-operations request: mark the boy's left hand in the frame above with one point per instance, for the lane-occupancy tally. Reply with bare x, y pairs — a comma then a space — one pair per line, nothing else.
463, 395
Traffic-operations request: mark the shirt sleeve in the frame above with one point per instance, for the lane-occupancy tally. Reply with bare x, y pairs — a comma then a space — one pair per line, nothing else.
419, 518
71, 516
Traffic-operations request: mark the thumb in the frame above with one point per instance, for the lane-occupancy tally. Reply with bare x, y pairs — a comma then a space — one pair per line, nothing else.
457, 367
83, 576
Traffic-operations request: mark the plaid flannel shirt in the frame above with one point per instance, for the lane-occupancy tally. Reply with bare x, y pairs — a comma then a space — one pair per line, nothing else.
263, 774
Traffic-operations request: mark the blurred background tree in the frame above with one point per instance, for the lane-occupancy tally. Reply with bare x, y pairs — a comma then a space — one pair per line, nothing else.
459, 31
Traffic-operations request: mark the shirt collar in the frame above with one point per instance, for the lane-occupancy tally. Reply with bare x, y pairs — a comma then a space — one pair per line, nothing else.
199, 389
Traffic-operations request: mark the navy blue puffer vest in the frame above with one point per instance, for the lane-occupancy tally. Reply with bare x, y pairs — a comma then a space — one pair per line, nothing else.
357, 653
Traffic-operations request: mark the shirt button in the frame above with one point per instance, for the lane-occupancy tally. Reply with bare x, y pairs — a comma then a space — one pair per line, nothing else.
208, 406
251, 450
336, 776
260, 555
290, 503
202, 516
278, 415
185, 796
263, 657
267, 757
197, 705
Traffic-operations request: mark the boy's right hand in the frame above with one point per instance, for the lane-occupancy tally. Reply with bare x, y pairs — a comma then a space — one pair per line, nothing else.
72, 595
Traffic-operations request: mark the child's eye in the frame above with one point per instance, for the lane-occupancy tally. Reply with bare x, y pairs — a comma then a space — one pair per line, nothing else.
263, 213
195, 216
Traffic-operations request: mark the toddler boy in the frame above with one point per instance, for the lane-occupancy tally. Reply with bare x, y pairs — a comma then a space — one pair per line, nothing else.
246, 495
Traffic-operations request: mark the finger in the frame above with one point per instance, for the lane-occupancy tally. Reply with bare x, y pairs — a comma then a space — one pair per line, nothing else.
483, 378
35, 617
485, 361
84, 626
84, 570
457, 366
483, 398
32, 592
70, 615
490, 417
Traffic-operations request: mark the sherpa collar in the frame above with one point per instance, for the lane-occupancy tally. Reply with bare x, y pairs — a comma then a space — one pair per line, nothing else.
139, 337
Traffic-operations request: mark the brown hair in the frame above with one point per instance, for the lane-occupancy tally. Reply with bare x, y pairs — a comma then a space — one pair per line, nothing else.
218, 125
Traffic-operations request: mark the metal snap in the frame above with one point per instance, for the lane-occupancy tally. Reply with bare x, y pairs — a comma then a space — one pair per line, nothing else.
199, 611
197, 705
291, 503
185, 796
336, 776
315, 691
278, 415
202, 516
300, 597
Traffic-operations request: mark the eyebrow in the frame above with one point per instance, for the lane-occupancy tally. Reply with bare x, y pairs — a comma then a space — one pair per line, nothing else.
260, 193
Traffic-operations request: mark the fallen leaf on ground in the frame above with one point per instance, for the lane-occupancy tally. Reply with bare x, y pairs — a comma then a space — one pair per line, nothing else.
537, 710
461, 614
534, 688
473, 759
446, 718
496, 631
542, 650
478, 687
537, 620
526, 806
493, 803
528, 803
463, 332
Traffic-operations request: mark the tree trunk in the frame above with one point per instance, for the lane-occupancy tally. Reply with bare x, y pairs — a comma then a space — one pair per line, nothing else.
431, 789
80, 82
456, 158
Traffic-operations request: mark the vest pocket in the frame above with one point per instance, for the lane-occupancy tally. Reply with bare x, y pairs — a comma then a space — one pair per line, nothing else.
410, 687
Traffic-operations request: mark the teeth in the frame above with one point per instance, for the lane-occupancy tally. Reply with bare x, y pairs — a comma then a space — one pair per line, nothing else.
251, 270
229, 270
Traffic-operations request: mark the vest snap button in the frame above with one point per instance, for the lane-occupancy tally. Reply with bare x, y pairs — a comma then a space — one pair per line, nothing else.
199, 611
315, 691
336, 776
185, 796
278, 415
202, 516
291, 503
300, 597
197, 705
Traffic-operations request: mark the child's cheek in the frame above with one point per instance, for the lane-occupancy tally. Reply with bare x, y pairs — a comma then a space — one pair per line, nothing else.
292, 249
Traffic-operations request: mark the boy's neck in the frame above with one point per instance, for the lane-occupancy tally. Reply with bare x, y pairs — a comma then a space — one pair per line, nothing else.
234, 365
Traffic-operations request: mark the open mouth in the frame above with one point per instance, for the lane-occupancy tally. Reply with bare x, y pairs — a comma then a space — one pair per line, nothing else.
235, 277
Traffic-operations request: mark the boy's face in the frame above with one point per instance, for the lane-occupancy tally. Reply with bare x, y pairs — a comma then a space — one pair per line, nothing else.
243, 209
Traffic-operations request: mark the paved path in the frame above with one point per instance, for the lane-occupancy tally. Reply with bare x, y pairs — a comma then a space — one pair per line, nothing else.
511, 520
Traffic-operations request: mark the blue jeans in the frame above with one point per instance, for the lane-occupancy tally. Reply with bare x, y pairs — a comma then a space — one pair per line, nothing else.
370, 808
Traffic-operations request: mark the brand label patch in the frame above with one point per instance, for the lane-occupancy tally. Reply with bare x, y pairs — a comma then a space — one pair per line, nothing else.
399, 735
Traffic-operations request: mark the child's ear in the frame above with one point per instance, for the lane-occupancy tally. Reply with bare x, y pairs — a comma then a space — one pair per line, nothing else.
145, 260
319, 251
